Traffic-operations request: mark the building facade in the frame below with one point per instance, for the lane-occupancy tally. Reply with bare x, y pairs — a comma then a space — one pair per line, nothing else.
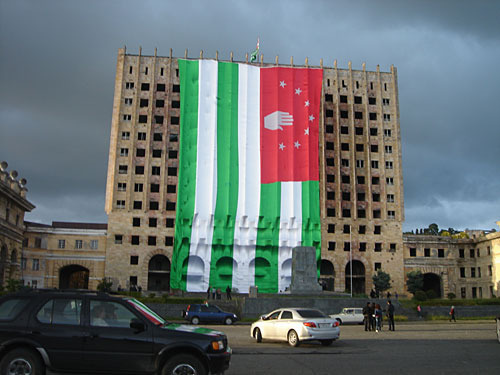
13, 206
361, 186
467, 268
63, 255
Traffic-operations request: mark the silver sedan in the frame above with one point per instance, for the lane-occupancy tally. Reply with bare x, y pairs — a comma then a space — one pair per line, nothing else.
295, 325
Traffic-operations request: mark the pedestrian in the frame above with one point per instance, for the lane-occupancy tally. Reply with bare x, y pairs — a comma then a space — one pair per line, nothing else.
372, 316
213, 292
396, 295
208, 292
366, 315
378, 318
228, 293
390, 315
452, 314
388, 295
219, 294
419, 311
372, 294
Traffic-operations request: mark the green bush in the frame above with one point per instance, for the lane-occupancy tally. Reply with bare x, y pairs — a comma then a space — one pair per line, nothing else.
431, 294
451, 296
420, 295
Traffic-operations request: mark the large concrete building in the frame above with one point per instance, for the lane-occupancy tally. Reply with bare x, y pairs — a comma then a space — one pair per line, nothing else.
360, 178
13, 206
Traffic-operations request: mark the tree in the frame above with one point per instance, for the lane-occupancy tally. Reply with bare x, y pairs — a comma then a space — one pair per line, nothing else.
434, 229
382, 281
414, 281
104, 285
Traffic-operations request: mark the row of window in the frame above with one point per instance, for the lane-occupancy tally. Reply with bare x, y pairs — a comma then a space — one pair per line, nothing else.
146, 70
360, 197
473, 253
139, 187
155, 170
153, 205
346, 179
344, 86
344, 130
473, 271
440, 253
159, 103
330, 146
357, 99
157, 137
377, 229
360, 163
377, 246
62, 244
358, 115
160, 87
151, 240
153, 222
346, 212
427, 252
35, 264
141, 152
158, 119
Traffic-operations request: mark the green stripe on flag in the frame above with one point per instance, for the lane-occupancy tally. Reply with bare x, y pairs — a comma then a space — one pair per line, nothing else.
189, 78
311, 223
221, 263
268, 234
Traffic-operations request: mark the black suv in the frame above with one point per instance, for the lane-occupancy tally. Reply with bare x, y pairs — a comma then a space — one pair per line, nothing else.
91, 332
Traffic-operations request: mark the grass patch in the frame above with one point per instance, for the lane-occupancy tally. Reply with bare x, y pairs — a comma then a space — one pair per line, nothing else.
447, 317
412, 304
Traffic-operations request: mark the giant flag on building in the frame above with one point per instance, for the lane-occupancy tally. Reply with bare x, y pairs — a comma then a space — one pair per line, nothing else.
248, 189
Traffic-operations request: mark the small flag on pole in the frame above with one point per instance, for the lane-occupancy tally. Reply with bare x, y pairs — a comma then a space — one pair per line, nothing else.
253, 55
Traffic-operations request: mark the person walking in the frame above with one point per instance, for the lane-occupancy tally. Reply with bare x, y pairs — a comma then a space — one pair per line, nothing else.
228, 293
419, 312
366, 315
452, 314
378, 318
372, 316
214, 291
208, 292
390, 315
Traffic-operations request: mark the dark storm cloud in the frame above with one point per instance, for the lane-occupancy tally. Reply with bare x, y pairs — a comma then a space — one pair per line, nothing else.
58, 60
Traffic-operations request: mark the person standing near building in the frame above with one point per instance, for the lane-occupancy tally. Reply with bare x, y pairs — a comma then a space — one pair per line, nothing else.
213, 292
366, 315
208, 292
390, 315
378, 318
419, 312
228, 293
372, 316
452, 314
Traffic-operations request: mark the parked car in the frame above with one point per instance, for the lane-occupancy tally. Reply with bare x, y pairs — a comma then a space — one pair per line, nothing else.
91, 332
209, 314
296, 325
349, 315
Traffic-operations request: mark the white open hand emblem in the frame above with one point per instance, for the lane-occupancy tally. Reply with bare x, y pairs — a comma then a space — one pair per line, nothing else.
277, 120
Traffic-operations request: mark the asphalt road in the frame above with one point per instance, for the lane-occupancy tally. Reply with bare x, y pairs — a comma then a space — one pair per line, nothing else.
414, 348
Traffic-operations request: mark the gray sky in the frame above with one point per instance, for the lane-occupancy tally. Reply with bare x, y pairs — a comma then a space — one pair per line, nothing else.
57, 70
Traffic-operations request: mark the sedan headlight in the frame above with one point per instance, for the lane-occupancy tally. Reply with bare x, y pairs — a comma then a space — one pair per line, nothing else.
218, 345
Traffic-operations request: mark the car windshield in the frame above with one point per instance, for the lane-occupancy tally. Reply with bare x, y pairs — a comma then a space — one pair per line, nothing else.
311, 314
147, 312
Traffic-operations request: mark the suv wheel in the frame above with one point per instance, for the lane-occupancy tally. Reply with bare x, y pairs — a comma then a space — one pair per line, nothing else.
195, 320
183, 364
228, 321
22, 361
293, 338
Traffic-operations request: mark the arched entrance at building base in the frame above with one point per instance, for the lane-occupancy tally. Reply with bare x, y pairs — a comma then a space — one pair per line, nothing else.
159, 273
358, 277
74, 277
327, 275
432, 282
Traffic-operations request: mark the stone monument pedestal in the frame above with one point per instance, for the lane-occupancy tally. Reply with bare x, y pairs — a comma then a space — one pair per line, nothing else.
304, 271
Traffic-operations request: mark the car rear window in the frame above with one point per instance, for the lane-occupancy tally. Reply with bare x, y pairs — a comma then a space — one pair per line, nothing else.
11, 308
311, 314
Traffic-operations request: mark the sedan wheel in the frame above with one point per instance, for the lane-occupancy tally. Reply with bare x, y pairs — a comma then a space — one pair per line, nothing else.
228, 321
195, 320
293, 338
258, 335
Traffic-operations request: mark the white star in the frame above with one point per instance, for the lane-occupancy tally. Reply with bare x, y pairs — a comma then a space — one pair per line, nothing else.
281, 146
306, 131
298, 91
296, 144
311, 118
282, 84
306, 103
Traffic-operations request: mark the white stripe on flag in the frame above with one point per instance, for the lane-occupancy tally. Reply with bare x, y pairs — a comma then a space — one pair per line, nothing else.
290, 230
200, 250
247, 214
